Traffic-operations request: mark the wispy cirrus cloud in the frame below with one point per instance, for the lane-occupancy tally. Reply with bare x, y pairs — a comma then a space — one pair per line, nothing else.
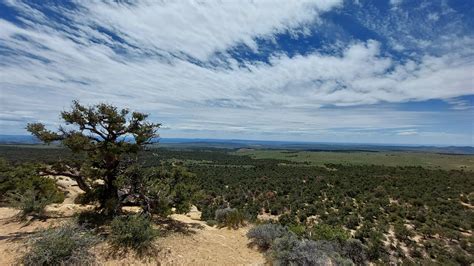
460, 104
171, 59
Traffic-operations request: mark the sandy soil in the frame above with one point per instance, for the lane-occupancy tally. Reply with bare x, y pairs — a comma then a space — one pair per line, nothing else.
198, 244
208, 246
67, 208
192, 243
14, 233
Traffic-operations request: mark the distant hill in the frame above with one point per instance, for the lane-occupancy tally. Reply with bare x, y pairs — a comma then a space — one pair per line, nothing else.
289, 145
311, 146
18, 139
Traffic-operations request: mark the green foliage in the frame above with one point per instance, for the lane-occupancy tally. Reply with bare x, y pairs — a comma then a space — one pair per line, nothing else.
297, 229
432, 201
287, 219
105, 135
375, 249
355, 251
91, 219
428, 160
208, 206
29, 202
132, 231
65, 245
289, 250
327, 232
89, 196
282, 250
160, 189
230, 218
23, 177
263, 235
402, 232
352, 221
21, 187
284, 247
211, 222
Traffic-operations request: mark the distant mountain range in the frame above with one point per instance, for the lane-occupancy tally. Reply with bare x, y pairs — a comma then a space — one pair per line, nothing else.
291, 145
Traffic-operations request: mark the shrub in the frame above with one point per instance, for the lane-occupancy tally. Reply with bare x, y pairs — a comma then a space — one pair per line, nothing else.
91, 196
29, 203
288, 250
22, 188
91, 219
208, 212
402, 232
66, 245
461, 258
375, 249
352, 221
22, 177
211, 222
287, 219
281, 252
263, 235
132, 231
327, 232
355, 250
232, 218
299, 230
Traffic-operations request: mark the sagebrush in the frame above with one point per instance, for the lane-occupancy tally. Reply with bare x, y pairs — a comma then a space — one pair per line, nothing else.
229, 217
263, 235
65, 245
132, 231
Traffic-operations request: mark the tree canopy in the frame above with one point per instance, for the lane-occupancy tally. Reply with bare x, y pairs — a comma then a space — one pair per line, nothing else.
108, 137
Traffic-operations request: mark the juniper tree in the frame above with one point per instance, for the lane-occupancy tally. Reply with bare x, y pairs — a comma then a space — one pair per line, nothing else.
106, 136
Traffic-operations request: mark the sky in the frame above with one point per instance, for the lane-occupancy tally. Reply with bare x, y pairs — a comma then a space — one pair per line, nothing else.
394, 71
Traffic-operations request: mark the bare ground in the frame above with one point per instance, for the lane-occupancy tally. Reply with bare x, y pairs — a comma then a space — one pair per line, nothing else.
190, 242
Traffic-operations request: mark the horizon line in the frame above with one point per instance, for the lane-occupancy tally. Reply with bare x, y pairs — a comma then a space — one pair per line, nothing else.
444, 145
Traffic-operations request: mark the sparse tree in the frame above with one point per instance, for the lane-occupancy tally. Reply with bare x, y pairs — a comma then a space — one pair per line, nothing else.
107, 137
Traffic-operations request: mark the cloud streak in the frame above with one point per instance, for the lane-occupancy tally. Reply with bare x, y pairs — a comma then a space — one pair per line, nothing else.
171, 59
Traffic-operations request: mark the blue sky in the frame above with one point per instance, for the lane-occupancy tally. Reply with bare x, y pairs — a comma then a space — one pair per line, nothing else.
394, 71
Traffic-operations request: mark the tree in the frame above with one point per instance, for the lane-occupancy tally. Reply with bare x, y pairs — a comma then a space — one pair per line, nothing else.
108, 137
23, 188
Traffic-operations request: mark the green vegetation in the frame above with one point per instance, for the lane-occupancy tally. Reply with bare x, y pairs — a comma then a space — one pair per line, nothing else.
229, 217
263, 235
328, 232
106, 138
65, 245
103, 144
384, 207
30, 203
321, 158
406, 214
339, 203
22, 187
283, 247
132, 231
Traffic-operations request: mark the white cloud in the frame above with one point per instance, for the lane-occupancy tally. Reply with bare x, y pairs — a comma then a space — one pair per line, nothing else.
419, 28
51, 64
433, 16
395, 2
195, 28
459, 104
408, 132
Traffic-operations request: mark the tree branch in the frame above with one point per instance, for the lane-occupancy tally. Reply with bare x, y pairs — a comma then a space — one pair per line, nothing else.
94, 129
76, 177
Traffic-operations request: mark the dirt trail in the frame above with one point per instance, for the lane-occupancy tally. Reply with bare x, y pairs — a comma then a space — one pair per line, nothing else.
201, 245
209, 246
